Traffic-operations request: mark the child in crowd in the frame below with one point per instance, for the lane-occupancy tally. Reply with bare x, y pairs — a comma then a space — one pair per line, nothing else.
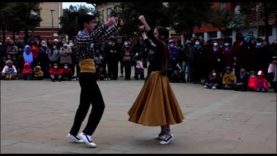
38, 73
56, 73
67, 72
262, 83
213, 81
9, 71
252, 81
27, 71
242, 80
139, 69
229, 79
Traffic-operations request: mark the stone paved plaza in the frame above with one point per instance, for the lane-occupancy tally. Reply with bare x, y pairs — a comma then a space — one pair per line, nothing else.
37, 115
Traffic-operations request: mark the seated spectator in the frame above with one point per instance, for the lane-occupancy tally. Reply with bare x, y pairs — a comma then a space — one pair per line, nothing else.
252, 81
213, 81
242, 80
262, 83
9, 71
67, 72
27, 72
229, 79
38, 73
56, 73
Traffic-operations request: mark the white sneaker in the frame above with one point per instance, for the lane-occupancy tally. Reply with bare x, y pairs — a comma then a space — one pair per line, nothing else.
159, 136
74, 138
87, 139
166, 139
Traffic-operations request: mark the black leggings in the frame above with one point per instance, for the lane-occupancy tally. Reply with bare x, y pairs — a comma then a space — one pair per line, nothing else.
90, 94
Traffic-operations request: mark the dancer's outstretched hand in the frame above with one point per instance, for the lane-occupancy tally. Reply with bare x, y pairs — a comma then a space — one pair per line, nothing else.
111, 21
143, 21
120, 22
142, 28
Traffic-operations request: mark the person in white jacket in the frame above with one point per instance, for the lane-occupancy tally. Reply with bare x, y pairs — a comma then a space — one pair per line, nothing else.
9, 71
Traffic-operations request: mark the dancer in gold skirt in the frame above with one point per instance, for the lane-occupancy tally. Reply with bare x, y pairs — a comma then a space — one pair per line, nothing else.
156, 104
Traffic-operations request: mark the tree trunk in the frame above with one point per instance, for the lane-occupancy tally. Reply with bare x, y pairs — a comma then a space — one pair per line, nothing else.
13, 36
266, 18
3, 33
26, 36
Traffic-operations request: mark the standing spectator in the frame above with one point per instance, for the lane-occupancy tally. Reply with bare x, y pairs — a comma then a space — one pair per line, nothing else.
204, 62
112, 58
34, 45
139, 69
43, 58
12, 49
27, 55
197, 63
227, 58
251, 62
54, 54
187, 61
127, 59
249, 37
99, 62
173, 59
258, 55
266, 57
216, 58
65, 55
2, 54
239, 53
272, 73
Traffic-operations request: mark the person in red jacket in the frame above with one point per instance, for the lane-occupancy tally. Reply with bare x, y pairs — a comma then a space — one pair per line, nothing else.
56, 73
27, 72
252, 81
35, 51
262, 83
67, 72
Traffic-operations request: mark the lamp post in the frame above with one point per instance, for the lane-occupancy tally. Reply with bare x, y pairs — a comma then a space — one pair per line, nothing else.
52, 10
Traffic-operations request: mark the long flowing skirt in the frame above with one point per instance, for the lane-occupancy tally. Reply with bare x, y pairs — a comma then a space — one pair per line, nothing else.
156, 104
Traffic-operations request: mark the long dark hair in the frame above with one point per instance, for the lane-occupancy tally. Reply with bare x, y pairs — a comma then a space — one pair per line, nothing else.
163, 32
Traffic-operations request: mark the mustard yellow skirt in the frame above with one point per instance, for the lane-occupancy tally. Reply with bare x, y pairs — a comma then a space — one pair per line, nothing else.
156, 104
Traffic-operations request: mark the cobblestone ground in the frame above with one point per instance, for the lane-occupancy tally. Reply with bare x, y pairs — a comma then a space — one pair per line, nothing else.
37, 115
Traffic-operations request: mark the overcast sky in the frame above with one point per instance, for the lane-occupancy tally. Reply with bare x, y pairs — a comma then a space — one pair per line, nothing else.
67, 4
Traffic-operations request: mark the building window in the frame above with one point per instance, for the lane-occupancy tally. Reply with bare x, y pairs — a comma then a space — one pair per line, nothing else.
199, 34
212, 34
222, 6
109, 12
261, 31
227, 32
102, 16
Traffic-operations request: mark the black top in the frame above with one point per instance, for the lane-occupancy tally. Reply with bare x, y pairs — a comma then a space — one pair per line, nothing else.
158, 54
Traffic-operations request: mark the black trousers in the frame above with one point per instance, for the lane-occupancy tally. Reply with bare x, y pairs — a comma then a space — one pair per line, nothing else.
127, 66
90, 95
113, 70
